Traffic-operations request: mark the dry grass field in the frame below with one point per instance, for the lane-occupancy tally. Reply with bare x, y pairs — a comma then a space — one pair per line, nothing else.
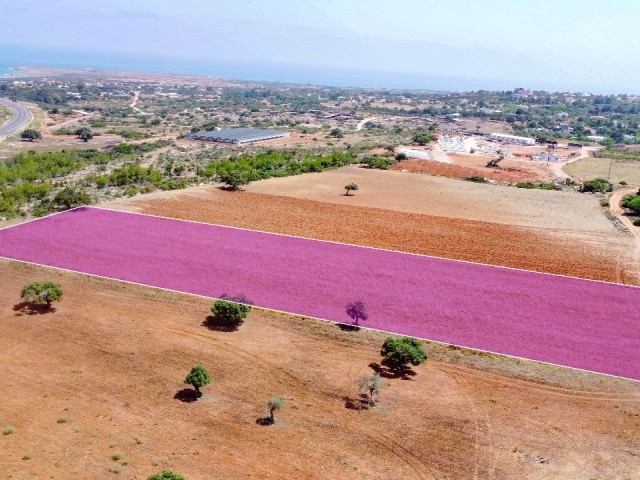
94, 391
591, 167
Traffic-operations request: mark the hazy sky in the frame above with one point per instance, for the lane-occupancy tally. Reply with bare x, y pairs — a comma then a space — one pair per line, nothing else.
564, 44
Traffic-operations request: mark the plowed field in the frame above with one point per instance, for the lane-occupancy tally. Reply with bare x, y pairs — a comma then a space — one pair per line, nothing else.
461, 239
101, 378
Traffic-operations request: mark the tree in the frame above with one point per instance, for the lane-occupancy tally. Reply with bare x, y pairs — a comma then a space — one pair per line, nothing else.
422, 138
372, 385
597, 185
31, 135
70, 197
84, 134
231, 310
632, 202
399, 352
166, 475
276, 403
234, 179
42, 293
357, 311
198, 377
336, 133
401, 157
348, 188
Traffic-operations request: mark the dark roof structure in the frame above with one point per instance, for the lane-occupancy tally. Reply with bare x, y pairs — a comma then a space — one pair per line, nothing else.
238, 135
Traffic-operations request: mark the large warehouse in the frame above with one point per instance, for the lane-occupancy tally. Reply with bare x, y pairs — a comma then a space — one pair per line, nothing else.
238, 136
501, 137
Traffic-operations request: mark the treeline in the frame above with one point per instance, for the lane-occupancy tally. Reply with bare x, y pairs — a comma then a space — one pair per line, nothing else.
276, 164
620, 154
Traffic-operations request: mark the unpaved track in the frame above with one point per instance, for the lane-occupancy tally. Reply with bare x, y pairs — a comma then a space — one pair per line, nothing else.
618, 211
133, 103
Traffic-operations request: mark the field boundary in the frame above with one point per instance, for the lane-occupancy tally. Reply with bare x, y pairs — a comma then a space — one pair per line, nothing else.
321, 319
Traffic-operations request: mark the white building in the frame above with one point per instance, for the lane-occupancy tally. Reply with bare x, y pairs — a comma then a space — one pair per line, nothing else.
502, 137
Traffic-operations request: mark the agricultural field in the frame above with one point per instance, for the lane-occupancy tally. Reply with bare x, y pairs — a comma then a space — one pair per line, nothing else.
451, 302
109, 405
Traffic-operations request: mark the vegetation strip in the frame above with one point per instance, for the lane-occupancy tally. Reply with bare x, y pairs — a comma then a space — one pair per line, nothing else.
567, 321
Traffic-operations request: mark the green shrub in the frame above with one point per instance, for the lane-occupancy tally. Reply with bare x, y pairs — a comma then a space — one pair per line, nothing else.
231, 310
636, 222
597, 185
166, 475
7, 431
400, 352
378, 162
42, 293
476, 179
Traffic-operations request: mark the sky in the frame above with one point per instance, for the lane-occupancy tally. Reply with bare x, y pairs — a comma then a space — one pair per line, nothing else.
557, 45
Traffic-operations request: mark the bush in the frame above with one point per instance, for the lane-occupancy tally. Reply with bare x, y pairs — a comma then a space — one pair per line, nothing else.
597, 185
636, 222
423, 138
401, 157
632, 202
476, 179
539, 186
400, 352
166, 475
231, 310
377, 162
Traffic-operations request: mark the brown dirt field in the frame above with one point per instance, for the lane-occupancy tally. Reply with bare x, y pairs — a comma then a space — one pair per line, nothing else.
568, 212
492, 243
510, 175
112, 357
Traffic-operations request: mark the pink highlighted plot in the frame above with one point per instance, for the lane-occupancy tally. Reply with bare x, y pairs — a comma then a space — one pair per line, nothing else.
567, 321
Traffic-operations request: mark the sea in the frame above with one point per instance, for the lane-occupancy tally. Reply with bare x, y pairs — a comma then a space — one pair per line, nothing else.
12, 57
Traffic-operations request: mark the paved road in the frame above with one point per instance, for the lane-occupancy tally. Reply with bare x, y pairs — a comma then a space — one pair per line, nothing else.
21, 118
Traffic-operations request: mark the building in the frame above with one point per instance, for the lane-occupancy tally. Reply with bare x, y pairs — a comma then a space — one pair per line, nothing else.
502, 137
238, 136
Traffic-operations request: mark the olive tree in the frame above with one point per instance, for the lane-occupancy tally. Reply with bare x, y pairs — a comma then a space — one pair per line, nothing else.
400, 352
350, 187
84, 134
357, 311
275, 403
372, 385
31, 135
198, 377
42, 293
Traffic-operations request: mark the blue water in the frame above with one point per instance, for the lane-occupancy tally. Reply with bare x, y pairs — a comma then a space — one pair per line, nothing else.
20, 56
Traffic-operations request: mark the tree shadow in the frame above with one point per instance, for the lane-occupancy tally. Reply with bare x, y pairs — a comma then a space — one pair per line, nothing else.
186, 395
357, 404
265, 421
27, 308
348, 327
226, 188
219, 325
389, 370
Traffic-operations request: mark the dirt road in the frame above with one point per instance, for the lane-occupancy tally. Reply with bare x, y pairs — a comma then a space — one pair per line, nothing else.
617, 210
133, 103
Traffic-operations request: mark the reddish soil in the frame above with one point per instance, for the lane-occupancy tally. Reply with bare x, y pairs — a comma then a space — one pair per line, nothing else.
484, 242
510, 175
112, 357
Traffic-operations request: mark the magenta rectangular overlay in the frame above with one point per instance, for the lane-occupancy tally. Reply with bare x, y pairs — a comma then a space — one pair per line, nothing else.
567, 321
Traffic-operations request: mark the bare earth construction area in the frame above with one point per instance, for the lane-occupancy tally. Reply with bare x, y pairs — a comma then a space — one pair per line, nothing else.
576, 323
